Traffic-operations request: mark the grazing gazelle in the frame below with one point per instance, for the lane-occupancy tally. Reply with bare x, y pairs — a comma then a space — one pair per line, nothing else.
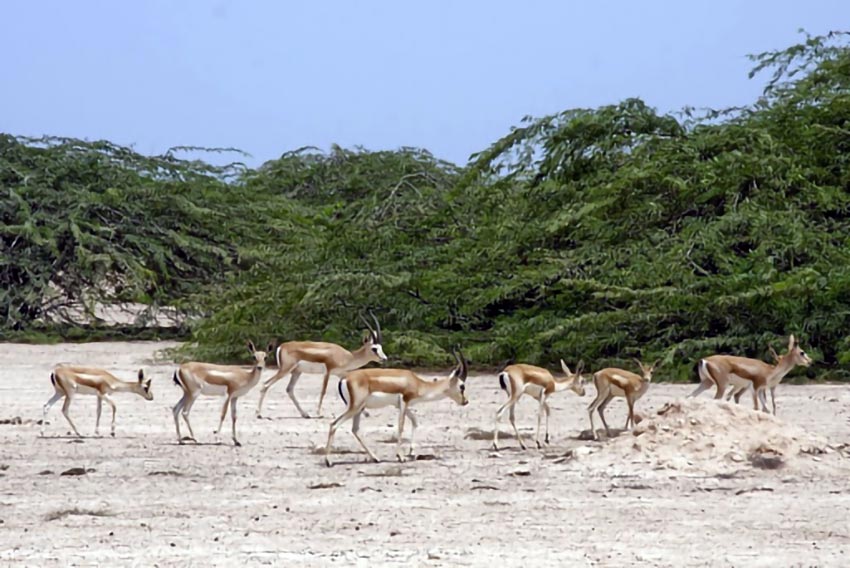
231, 381
538, 383
612, 382
392, 386
336, 360
69, 381
721, 370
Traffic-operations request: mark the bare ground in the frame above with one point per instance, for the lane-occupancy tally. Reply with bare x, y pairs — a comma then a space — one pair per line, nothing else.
143, 499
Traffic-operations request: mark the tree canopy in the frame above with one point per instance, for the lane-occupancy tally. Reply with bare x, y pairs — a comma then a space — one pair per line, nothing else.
597, 234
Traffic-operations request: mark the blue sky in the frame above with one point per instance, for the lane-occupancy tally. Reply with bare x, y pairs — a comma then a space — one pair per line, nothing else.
452, 76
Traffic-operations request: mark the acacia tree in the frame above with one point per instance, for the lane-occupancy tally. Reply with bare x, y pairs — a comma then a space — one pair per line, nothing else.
91, 223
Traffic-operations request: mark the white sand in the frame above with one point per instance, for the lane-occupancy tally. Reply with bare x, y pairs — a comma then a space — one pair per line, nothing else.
684, 492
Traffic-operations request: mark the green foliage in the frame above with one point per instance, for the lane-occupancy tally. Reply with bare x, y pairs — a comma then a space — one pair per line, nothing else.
84, 224
596, 234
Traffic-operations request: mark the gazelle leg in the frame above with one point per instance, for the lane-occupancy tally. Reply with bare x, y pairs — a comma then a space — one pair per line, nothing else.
496, 424
97, 421
290, 390
703, 386
414, 424
631, 402
355, 430
762, 391
773, 399
548, 412
111, 403
47, 405
65, 406
512, 418
223, 413
187, 408
325, 380
591, 408
176, 412
233, 418
267, 384
402, 412
541, 409
601, 410
347, 415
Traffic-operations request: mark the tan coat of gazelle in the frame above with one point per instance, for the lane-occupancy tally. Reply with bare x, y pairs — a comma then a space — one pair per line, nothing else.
69, 381
294, 356
743, 372
539, 383
613, 382
231, 381
380, 387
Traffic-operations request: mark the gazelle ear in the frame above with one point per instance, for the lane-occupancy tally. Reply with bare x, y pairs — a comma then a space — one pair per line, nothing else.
792, 342
566, 369
580, 367
141, 375
251, 347
639, 364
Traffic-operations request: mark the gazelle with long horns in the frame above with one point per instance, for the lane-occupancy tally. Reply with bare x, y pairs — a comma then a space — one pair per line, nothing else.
723, 370
336, 360
613, 382
231, 381
69, 381
539, 383
390, 386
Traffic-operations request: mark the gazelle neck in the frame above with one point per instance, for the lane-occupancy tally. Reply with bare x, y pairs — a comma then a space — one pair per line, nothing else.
359, 357
784, 366
434, 390
134, 387
564, 383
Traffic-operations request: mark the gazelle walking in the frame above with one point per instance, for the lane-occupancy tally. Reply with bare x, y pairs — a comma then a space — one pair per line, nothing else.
538, 383
69, 381
232, 381
389, 386
292, 355
613, 382
723, 370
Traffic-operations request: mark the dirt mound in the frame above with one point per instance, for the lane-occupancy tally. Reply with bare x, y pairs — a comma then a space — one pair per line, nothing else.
713, 436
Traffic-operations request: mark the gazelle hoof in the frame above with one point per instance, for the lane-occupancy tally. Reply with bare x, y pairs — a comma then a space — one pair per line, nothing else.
237, 443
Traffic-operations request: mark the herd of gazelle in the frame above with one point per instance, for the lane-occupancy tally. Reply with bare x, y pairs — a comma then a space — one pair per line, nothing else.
363, 389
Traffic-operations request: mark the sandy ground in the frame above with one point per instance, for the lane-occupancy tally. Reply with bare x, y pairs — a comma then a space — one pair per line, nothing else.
146, 500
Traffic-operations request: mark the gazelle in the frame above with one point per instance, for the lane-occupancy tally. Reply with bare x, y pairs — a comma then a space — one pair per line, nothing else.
538, 383
388, 386
740, 385
721, 370
292, 355
69, 381
612, 382
231, 381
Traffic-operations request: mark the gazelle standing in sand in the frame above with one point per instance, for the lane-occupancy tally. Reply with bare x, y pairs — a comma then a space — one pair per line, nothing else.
69, 381
538, 383
723, 370
293, 355
613, 382
232, 381
383, 387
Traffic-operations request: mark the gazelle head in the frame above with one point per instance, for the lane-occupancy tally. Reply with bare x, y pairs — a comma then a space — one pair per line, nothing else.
260, 356
374, 339
647, 371
145, 386
457, 379
796, 354
577, 385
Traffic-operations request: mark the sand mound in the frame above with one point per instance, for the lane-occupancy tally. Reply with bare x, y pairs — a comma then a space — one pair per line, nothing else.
713, 436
